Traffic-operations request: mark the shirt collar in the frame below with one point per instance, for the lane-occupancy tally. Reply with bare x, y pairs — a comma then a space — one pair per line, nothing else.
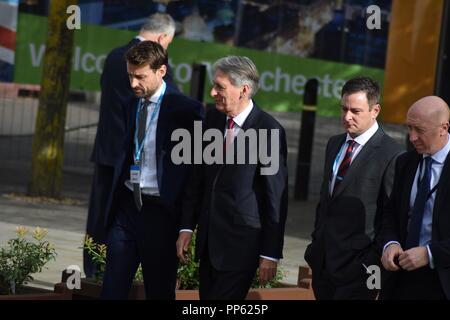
140, 38
154, 98
441, 155
241, 117
364, 137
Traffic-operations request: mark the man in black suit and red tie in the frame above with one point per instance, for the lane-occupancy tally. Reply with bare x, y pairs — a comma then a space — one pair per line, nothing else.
416, 223
239, 208
357, 182
115, 92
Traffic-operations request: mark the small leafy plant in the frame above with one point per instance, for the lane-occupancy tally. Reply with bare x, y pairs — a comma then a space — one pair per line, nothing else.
23, 257
188, 274
97, 251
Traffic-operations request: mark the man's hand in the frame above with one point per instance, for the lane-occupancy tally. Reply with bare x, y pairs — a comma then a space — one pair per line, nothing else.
184, 238
388, 258
414, 258
267, 270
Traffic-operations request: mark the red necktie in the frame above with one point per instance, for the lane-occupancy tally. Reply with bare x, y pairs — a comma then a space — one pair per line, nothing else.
229, 135
345, 164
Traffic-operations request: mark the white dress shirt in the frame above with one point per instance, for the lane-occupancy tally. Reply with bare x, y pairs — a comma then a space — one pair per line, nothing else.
149, 181
239, 120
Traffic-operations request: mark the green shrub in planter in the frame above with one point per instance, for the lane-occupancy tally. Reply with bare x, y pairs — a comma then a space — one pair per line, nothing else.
97, 252
23, 257
188, 274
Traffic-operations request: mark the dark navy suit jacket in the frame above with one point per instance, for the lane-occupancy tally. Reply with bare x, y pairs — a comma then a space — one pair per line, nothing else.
240, 214
177, 111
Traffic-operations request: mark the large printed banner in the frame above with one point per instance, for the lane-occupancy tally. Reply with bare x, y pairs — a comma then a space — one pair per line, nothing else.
282, 82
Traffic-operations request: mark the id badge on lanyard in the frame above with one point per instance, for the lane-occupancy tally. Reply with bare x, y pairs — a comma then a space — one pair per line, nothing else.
135, 173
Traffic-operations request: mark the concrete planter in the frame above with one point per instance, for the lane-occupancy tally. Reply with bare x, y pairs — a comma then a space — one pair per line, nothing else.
31, 293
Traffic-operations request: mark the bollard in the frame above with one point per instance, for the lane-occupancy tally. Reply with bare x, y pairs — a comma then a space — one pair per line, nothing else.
197, 90
306, 140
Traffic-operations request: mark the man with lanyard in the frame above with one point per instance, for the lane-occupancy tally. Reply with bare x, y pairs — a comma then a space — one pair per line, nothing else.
143, 210
116, 91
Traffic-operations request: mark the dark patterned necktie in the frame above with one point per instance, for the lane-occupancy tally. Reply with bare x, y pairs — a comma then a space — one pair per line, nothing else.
141, 134
423, 190
345, 164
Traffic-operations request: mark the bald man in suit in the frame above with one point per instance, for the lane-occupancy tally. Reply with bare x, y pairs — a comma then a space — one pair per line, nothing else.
416, 223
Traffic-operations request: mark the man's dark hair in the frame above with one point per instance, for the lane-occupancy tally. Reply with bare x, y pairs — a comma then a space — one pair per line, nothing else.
366, 85
147, 52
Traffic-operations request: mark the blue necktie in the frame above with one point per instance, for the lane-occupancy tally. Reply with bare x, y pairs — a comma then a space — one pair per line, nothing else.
415, 224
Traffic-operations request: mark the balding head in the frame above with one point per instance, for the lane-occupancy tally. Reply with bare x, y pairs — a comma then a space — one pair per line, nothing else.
427, 121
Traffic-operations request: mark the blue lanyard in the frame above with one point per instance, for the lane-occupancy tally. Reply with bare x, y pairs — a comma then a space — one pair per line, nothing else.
138, 150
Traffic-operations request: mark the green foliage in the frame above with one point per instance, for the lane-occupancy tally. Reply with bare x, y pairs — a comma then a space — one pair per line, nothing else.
188, 274
274, 283
22, 257
97, 252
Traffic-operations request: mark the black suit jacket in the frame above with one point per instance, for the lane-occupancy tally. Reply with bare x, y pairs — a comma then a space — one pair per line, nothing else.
345, 226
395, 217
115, 94
176, 112
240, 213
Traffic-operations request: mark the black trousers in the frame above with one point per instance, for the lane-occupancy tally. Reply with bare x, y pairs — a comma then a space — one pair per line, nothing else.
147, 237
420, 284
95, 228
325, 289
223, 285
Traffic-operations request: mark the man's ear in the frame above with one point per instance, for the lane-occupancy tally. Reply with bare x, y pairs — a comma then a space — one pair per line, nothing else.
445, 128
163, 70
245, 91
376, 108
161, 38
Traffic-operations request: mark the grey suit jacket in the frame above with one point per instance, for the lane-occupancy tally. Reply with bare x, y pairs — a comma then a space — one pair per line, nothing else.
347, 221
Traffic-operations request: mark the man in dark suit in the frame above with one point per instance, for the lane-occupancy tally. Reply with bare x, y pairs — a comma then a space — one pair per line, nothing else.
143, 211
239, 208
116, 91
416, 223
357, 181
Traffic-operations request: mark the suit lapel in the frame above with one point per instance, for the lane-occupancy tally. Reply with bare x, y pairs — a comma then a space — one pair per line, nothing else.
251, 118
441, 192
410, 173
368, 150
161, 133
334, 149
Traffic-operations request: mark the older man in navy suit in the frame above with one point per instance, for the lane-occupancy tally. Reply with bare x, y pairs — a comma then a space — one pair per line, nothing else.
416, 223
143, 211
116, 90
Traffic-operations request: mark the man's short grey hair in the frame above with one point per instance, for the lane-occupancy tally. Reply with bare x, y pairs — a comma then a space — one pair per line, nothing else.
240, 70
159, 23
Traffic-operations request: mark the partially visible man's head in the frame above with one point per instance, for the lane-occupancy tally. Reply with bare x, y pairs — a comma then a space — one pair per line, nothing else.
159, 27
428, 120
236, 81
360, 105
146, 66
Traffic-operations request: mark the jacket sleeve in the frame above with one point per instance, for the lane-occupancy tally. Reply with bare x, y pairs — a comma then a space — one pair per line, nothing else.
275, 191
